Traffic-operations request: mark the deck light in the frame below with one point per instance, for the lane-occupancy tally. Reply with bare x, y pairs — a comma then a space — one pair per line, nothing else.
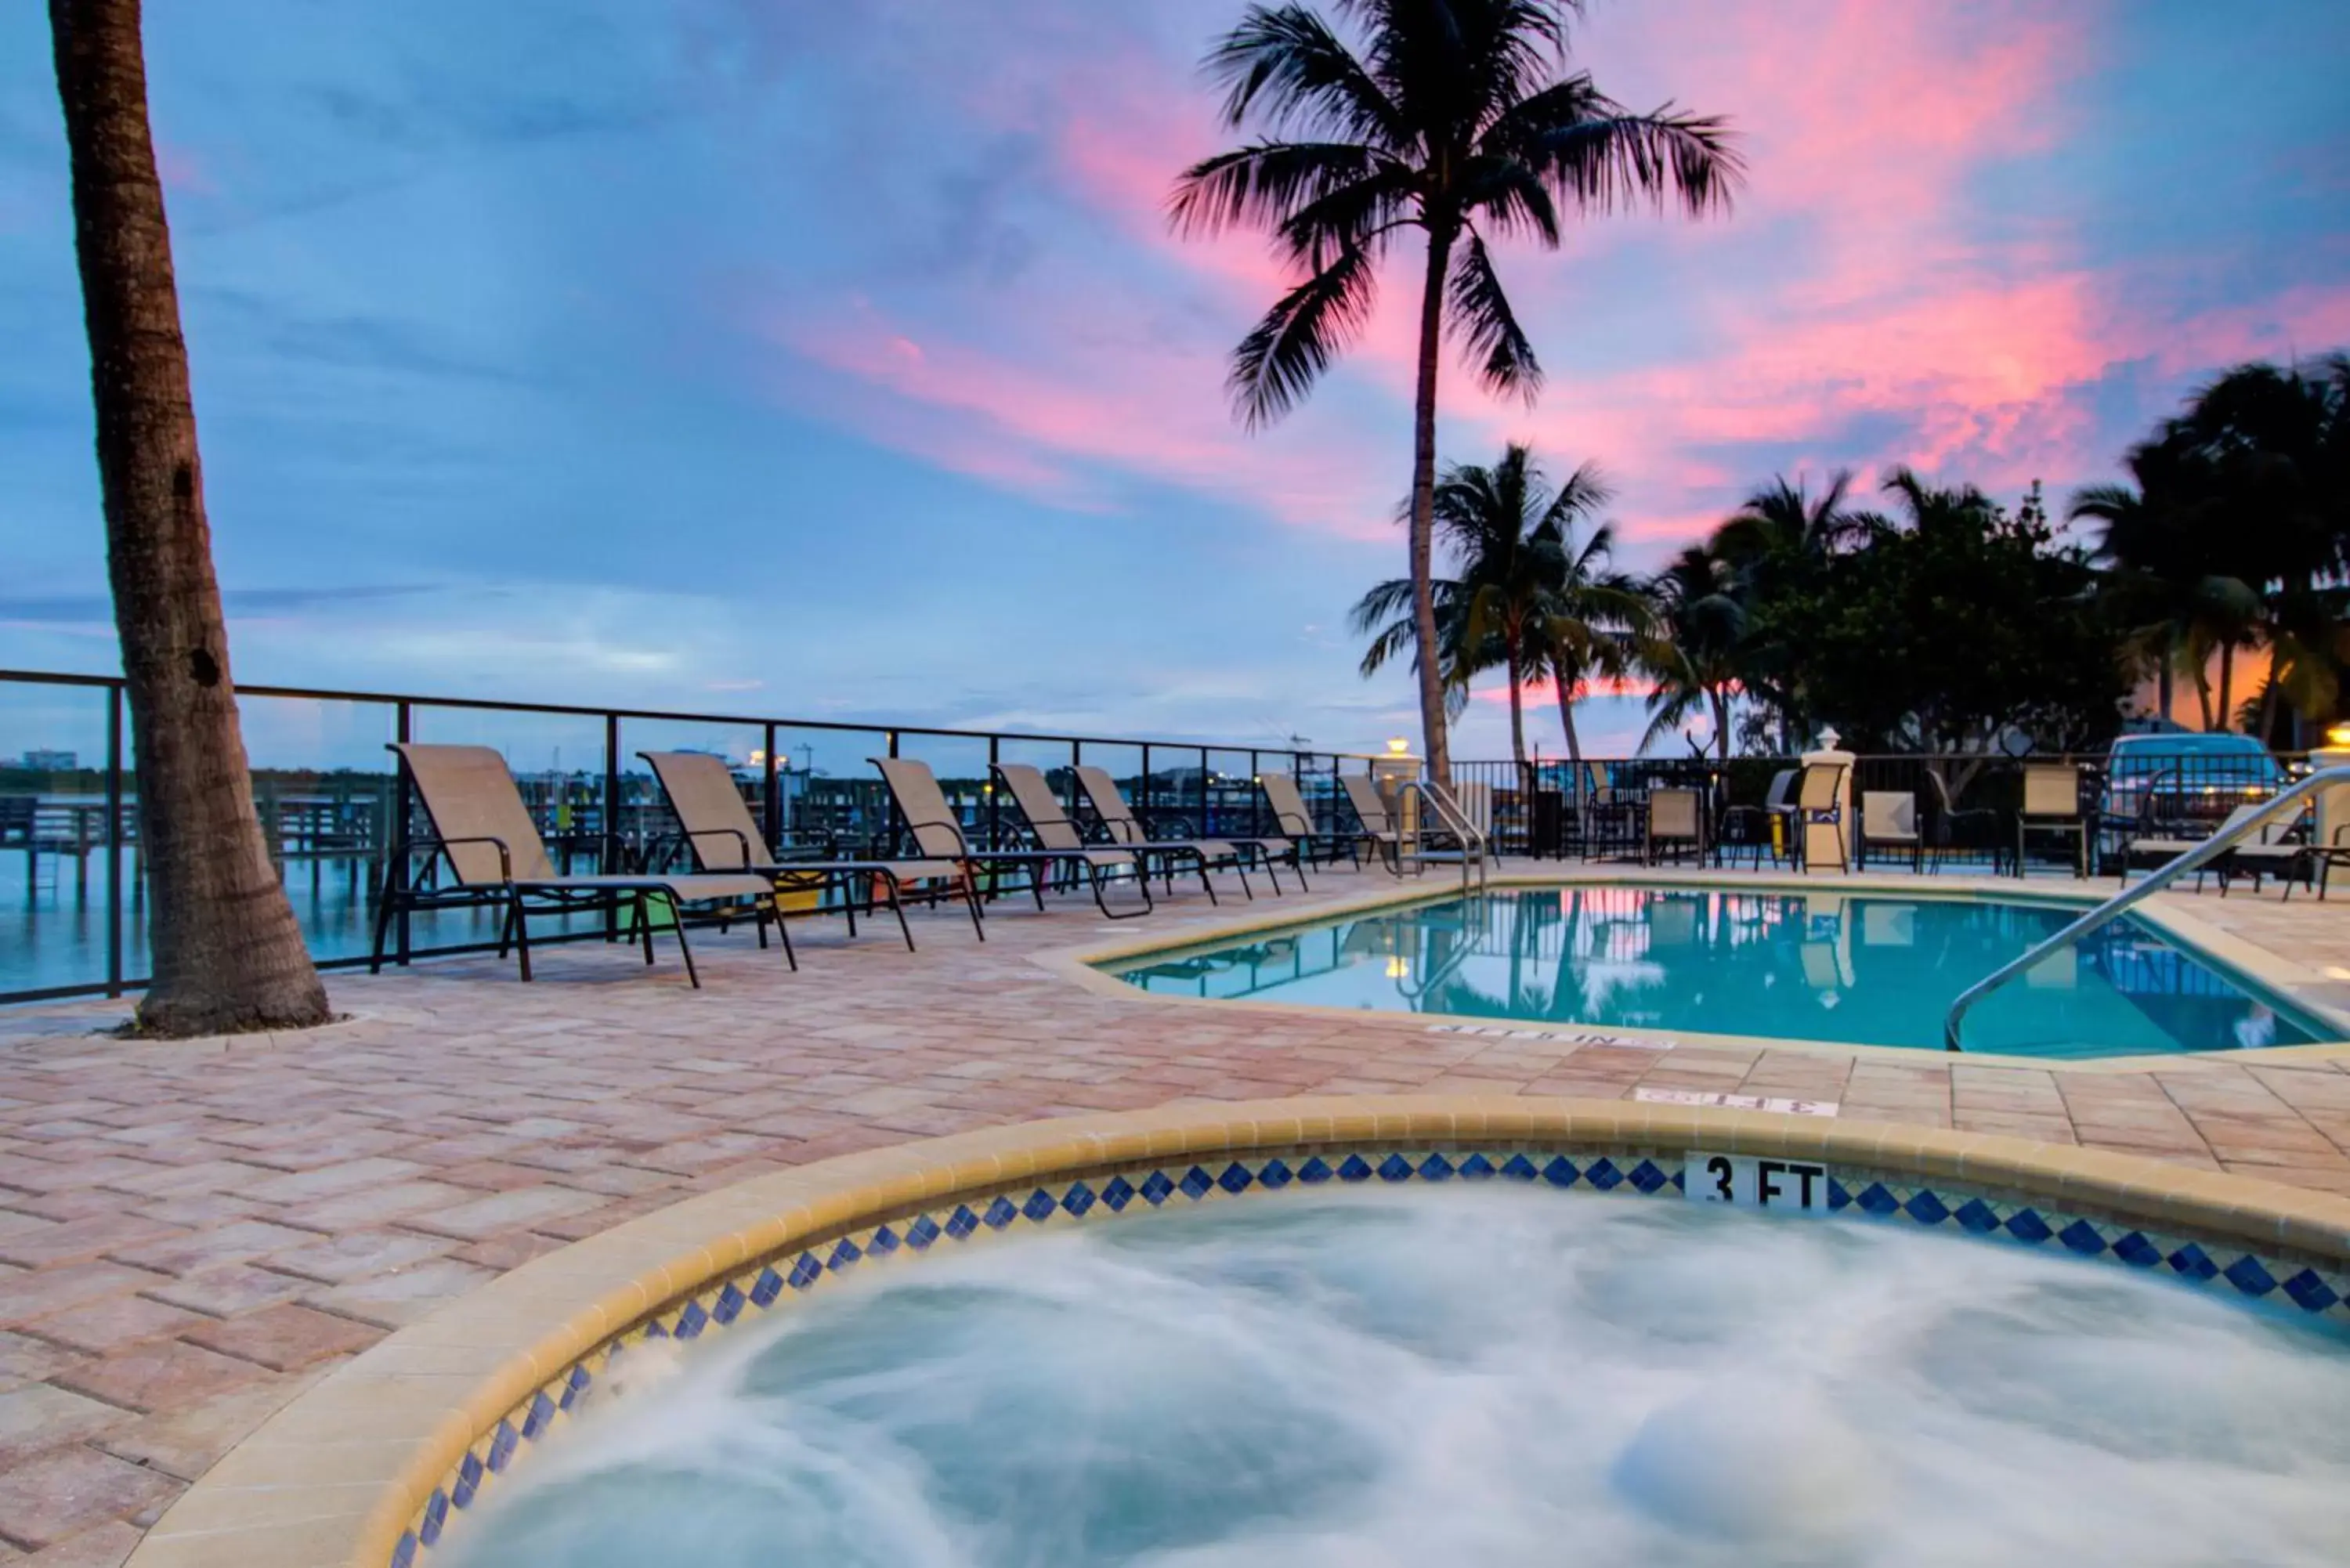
1398, 745
2339, 735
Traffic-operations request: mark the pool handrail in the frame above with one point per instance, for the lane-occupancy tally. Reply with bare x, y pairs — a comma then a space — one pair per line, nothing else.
2296, 797
1454, 821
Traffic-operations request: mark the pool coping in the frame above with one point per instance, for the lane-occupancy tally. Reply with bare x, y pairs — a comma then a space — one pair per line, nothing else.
339, 1476
2291, 981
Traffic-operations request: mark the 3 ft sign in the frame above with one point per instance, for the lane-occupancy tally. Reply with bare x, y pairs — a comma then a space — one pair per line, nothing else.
1796, 1186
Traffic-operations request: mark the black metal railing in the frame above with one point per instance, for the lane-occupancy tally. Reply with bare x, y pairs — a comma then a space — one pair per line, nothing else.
1966, 805
333, 807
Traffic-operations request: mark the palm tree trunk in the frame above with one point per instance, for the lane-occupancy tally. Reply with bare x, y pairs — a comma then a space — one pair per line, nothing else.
2227, 685
1720, 723
228, 955
2162, 678
1423, 510
1517, 718
1566, 722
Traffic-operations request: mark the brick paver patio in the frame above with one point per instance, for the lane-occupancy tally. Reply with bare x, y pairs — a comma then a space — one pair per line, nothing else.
188, 1237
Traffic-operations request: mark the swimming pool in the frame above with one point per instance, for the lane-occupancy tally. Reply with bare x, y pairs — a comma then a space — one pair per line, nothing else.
1394, 1375
1864, 969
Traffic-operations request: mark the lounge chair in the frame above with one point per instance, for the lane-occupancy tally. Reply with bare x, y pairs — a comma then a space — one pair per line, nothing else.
938, 834
1060, 839
1123, 827
1819, 803
1888, 818
2052, 803
1295, 820
481, 827
2163, 850
1675, 821
1379, 826
720, 835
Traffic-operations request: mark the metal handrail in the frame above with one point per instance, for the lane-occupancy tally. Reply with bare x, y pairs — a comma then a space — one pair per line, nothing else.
1455, 821
2113, 908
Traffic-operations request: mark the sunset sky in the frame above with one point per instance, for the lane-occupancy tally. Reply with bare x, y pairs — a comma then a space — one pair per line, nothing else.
836, 360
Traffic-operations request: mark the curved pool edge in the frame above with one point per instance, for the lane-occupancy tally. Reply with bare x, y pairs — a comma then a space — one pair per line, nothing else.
2306, 990
340, 1475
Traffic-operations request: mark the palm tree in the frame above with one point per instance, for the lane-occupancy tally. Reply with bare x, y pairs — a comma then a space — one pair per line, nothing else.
1778, 544
2277, 445
2159, 580
1701, 622
1450, 118
1596, 619
228, 955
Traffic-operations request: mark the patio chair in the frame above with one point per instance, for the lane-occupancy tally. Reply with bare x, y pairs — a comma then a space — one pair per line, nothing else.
1291, 814
485, 833
1056, 836
1819, 803
1121, 826
1675, 821
1376, 824
1952, 821
2052, 803
1749, 827
1889, 818
720, 835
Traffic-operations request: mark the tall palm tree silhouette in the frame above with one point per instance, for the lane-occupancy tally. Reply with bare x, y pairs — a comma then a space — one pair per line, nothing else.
1447, 117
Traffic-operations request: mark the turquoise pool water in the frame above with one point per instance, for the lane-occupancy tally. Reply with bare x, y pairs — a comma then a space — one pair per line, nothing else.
1863, 969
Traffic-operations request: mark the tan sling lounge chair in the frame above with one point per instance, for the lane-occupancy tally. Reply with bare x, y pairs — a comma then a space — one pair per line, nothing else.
1203, 855
723, 836
496, 860
1379, 828
939, 836
1060, 839
1291, 814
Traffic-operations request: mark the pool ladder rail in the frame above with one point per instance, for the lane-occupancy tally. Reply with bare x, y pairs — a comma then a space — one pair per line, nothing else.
2105, 914
1437, 802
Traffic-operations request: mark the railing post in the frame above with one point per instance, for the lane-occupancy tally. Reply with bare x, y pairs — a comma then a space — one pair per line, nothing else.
609, 860
995, 807
772, 809
1147, 801
395, 827
1206, 827
114, 840
1257, 796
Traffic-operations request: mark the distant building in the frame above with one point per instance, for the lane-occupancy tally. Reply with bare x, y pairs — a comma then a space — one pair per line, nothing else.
48, 762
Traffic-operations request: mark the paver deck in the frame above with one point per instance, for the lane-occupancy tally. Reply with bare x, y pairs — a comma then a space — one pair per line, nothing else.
188, 1237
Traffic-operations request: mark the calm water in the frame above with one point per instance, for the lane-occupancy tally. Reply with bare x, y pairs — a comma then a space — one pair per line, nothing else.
1521, 1380
1867, 971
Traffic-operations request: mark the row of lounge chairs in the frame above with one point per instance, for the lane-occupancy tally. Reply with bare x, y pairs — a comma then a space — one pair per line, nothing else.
495, 858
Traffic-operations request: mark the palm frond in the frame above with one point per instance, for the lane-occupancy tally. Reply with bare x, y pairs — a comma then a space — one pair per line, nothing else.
1604, 162
1481, 313
1267, 184
1280, 360
1283, 62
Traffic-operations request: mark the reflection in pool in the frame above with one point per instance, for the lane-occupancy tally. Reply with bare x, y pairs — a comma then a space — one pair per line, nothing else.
1515, 1378
1867, 970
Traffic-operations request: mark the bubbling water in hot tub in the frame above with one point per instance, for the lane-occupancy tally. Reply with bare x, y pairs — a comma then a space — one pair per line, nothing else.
1366, 1379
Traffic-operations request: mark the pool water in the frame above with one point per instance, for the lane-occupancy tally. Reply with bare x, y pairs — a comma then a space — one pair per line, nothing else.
1864, 970
1392, 1379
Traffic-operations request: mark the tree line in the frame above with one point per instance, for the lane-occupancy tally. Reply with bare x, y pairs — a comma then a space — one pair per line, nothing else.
1937, 619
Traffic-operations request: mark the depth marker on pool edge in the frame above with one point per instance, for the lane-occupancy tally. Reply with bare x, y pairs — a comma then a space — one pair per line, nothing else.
1736, 1102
